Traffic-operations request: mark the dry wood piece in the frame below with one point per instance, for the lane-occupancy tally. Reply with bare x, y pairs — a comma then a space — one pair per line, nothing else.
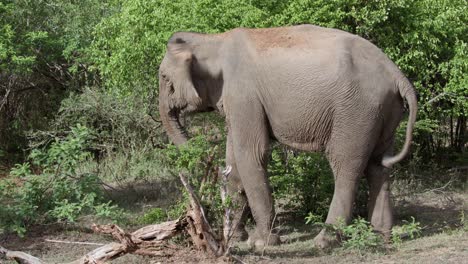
198, 226
19, 256
102, 254
119, 234
144, 241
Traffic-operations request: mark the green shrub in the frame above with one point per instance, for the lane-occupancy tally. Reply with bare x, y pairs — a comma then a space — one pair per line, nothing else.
411, 229
52, 187
199, 159
153, 216
301, 181
116, 125
360, 235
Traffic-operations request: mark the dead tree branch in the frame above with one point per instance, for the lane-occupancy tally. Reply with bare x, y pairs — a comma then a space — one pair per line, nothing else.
18, 256
148, 240
198, 226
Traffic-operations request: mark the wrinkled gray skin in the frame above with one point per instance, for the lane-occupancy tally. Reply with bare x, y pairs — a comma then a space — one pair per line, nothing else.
310, 88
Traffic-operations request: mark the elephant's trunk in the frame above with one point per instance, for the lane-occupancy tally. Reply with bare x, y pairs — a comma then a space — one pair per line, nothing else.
170, 118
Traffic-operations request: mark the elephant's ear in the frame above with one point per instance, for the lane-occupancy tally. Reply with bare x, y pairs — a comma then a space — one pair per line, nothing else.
184, 89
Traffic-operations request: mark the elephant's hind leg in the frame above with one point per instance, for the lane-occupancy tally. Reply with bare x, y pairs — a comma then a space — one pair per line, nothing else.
347, 173
349, 151
380, 204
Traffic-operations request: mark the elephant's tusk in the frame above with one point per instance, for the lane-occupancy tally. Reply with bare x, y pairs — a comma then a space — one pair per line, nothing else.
227, 170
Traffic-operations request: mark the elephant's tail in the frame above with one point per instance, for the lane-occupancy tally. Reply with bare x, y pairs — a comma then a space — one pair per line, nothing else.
406, 91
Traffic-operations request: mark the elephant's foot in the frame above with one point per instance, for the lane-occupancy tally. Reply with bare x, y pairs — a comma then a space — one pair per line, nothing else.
260, 242
326, 239
386, 235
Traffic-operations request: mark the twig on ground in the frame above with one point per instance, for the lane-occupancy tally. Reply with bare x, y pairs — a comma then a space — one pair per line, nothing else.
440, 189
269, 234
73, 242
238, 259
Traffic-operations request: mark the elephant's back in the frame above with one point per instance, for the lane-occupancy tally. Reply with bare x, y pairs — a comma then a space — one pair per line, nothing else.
263, 41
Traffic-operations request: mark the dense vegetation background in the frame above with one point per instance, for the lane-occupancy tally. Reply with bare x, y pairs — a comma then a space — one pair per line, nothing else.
78, 95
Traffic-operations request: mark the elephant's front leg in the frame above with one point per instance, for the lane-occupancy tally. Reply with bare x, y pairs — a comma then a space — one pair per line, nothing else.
250, 141
236, 191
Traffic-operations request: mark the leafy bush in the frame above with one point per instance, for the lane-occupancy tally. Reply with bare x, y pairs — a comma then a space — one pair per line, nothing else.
52, 187
411, 229
42, 46
153, 216
360, 235
116, 125
200, 159
302, 181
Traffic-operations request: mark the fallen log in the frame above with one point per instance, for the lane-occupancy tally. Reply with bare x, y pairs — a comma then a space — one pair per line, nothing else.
18, 256
148, 240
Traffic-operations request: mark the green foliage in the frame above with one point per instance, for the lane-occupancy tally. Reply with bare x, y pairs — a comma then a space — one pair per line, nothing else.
153, 216
179, 209
42, 58
116, 124
200, 158
38, 32
312, 218
195, 156
52, 187
359, 235
411, 229
302, 181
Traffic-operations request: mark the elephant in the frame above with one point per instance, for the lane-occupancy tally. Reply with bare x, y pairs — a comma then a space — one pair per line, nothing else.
307, 87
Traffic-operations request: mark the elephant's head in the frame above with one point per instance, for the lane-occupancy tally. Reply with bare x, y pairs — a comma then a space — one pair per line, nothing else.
190, 80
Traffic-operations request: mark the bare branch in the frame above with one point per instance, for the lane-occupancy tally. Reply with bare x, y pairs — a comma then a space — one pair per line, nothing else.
198, 226
73, 242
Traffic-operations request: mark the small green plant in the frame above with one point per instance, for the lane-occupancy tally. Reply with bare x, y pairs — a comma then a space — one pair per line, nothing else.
359, 235
411, 229
313, 219
463, 220
51, 187
178, 209
153, 216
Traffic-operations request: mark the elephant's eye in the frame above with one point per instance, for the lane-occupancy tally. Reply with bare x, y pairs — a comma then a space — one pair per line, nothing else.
171, 88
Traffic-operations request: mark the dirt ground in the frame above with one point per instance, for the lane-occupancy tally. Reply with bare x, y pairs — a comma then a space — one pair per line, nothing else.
443, 240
